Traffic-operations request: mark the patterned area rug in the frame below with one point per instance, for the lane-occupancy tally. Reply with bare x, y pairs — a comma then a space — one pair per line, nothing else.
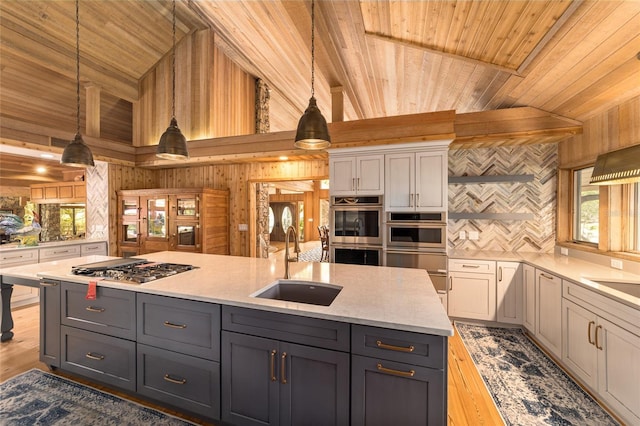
312, 255
527, 387
39, 398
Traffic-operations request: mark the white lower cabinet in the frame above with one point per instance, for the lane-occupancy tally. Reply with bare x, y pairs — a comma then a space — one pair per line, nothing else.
603, 355
509, 292
472, 289
529, 298
549, 311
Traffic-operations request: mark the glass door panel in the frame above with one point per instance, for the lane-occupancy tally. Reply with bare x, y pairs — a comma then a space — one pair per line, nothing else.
130, 207
130, 232
187, 235
186, 207
157, 218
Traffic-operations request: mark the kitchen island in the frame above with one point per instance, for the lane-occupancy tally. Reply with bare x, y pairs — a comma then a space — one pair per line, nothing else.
201, 341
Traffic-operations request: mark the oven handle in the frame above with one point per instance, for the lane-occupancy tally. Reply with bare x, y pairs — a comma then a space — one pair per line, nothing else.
423, 224
423, 251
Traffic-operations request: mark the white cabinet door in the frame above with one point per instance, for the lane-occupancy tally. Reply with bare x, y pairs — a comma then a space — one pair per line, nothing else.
529, 298
22, 295
619, 369
549, 315
509, 292
399, 182
431, 181
342, 175
472, 295
357, 175
578, 345
370, 175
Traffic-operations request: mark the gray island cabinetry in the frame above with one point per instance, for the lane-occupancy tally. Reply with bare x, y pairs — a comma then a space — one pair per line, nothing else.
202, 343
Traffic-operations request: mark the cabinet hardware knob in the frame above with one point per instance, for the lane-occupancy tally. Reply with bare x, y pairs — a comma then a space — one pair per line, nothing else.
92, 309
170, 379
94, 357
172, 325
395, 348
283, 365
597, 345
273, 365
382, 369
591, 323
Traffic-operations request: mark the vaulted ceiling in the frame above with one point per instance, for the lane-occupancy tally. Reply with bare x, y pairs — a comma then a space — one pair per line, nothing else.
571, 58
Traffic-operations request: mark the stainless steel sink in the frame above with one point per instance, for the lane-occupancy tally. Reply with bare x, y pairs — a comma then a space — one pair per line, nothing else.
310, 292
630, 288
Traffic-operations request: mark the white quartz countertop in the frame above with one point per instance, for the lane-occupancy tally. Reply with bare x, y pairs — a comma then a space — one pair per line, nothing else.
577, 270
17, 246
395, 298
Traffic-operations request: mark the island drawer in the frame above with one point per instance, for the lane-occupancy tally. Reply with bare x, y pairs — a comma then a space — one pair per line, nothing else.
96, 356
401, 346
18, 257
180, 325
476, 266
93, 248
113, 311
186, 382
59, 252
288, 328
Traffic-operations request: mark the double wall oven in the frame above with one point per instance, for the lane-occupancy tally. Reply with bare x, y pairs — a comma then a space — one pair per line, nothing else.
418, 240
356, 230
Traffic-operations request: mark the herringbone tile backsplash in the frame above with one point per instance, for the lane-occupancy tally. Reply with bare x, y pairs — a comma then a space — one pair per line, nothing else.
537, 197
98, 200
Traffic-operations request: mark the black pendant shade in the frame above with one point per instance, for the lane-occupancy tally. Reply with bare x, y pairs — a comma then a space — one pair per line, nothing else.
77, 153
313, 132
173, 144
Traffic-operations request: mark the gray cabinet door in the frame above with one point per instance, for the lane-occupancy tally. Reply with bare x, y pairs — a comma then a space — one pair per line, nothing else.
267, 382
50, 322
250, 380
391, 393
314, 386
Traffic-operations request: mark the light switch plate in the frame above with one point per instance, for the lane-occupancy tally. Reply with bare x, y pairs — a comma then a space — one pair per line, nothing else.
474, 235
564, 251
462, 235
616, 263
243, 227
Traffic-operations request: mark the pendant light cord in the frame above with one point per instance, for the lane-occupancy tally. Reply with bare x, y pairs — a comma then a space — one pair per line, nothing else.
78, 66
173, 65
313, 16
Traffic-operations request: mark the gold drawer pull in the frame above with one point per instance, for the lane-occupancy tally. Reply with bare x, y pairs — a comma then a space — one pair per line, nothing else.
283, 365
395, 348
597, 345
549, 277
273, 365
471, 266
170, 379
92, 309
172, 325
591, 323
48, 284
409, 373
94, 357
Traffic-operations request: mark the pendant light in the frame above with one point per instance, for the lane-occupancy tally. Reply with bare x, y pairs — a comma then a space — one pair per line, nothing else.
312, 132
77, 153
173, 144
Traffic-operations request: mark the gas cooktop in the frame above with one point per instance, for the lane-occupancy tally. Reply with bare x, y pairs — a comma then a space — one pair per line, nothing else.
132, 270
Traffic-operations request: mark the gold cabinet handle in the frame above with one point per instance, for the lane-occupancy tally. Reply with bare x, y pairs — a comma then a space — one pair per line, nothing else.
382, 369
411, 200
273, 366
170, 379
549, 277
591, 323
94, 357
172, 325
48, 284
597, 345
283, 365
395, 348
471, 266
500, 274
92, 309
417, 199
450, 283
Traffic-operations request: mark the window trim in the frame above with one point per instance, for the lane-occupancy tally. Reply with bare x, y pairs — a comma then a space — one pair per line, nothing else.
574, 219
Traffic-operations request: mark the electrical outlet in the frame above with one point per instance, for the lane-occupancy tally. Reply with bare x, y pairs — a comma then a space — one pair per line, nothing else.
474, 235
243, 227
564, 251
616, 263
462, 235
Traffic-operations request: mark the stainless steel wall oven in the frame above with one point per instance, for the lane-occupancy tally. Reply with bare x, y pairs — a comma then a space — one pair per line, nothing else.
356, 230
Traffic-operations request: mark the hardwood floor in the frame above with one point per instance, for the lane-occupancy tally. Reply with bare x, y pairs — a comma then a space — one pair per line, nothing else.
469, 400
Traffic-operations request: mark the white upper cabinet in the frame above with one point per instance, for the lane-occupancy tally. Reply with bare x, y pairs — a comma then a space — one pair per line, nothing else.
416, 181
356, 175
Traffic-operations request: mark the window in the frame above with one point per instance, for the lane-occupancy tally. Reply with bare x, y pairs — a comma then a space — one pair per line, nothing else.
586, 207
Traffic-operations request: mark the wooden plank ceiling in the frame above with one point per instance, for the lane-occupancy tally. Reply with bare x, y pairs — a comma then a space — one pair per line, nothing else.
574, 59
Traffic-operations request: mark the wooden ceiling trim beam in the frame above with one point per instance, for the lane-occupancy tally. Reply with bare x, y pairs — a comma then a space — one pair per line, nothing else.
510, 124
429, 49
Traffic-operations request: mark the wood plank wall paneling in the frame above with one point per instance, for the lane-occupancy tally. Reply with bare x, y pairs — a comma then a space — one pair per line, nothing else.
214, 97
614, 129
115, 118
